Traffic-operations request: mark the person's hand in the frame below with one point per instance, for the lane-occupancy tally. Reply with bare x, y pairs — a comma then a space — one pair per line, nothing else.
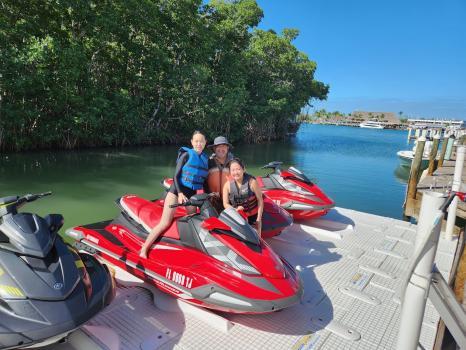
240, 208
182, 198
216, 194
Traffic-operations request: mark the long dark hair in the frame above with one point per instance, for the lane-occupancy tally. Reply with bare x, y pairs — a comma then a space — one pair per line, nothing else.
235, 160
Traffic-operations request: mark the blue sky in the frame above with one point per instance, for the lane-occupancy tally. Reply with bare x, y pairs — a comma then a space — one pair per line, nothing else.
390, 55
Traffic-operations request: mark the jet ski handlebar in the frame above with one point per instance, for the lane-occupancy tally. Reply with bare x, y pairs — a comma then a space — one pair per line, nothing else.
10, 205
195, 201
32, 197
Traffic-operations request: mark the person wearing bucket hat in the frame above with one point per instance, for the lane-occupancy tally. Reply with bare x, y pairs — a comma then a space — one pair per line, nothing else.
218, 171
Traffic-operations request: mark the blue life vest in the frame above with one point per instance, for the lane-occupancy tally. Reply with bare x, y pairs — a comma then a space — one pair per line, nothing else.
195, 170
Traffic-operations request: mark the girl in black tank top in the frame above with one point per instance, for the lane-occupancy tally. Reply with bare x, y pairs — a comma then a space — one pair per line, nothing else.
243, 193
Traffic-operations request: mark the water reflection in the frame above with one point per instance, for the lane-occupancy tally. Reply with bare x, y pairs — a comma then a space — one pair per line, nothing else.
402, 174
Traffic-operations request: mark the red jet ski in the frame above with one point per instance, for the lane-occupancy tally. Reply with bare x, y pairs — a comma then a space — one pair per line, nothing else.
274, 218
210, 260
294, 192
291, 190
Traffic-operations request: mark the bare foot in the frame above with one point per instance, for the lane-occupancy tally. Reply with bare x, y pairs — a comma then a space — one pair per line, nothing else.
143, 253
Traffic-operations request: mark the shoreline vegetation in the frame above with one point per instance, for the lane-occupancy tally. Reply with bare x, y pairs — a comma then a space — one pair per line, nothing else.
388, 119
87, 74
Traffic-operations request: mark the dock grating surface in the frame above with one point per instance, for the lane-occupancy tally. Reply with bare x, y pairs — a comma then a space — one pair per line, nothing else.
369, 260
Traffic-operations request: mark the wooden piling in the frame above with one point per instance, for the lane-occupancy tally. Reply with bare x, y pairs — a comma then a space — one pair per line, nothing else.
442, 152
409, 133
414, 173
433, 155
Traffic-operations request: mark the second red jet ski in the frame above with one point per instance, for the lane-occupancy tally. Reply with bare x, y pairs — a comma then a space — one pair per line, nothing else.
206, 259
292, 190
274, 218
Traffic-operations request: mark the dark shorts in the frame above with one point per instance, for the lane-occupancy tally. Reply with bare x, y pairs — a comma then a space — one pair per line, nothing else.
252, 219
188, 192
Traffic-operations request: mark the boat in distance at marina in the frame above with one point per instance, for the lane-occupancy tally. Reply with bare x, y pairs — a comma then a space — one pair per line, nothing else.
406, 157
369, 124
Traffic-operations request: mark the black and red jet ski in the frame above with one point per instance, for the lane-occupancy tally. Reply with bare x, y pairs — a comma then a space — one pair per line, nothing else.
47, 289
210, 260
294, 192
274, 218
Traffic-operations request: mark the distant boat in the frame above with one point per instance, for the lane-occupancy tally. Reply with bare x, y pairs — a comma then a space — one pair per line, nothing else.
406, 157
369, 124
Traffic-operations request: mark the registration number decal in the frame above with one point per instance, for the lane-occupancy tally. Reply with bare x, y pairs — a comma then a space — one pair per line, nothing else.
179, 278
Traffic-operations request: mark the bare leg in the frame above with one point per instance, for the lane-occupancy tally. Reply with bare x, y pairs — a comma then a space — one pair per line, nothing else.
165, 221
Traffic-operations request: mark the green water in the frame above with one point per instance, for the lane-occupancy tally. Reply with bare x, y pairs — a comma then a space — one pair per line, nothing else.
356, 167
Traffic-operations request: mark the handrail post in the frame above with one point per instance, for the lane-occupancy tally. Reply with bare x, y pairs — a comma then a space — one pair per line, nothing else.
417, 290
451, 140
455, 187
442, 152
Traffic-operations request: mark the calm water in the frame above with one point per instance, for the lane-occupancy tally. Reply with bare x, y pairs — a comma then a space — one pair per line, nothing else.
356, 167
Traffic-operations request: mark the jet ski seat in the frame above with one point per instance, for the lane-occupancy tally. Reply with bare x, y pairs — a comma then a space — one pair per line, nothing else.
268, 183
147, 214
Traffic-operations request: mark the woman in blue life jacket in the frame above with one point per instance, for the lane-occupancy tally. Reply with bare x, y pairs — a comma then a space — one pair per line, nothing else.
243, 193
190, 174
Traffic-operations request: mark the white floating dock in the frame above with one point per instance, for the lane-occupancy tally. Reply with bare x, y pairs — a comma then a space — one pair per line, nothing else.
352, 265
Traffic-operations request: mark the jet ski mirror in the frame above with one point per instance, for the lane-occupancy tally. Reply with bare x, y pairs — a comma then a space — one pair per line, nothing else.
275, 165
11, 204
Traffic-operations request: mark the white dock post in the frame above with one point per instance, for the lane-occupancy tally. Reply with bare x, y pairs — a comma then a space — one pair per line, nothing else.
455, 187
451, 140
417, 133
417, 290
409, 134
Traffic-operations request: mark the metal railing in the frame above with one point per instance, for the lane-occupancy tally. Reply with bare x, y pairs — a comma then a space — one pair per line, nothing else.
421, 281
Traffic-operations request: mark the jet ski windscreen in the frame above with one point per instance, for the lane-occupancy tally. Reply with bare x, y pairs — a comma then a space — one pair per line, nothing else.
239, 226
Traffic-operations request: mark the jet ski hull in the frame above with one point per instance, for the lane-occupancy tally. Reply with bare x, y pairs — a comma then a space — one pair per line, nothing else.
301, 200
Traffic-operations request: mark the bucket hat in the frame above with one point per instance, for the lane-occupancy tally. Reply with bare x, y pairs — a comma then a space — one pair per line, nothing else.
220, 140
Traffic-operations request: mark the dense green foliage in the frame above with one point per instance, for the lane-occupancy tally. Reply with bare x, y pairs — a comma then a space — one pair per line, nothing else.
118, 72
321, 115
